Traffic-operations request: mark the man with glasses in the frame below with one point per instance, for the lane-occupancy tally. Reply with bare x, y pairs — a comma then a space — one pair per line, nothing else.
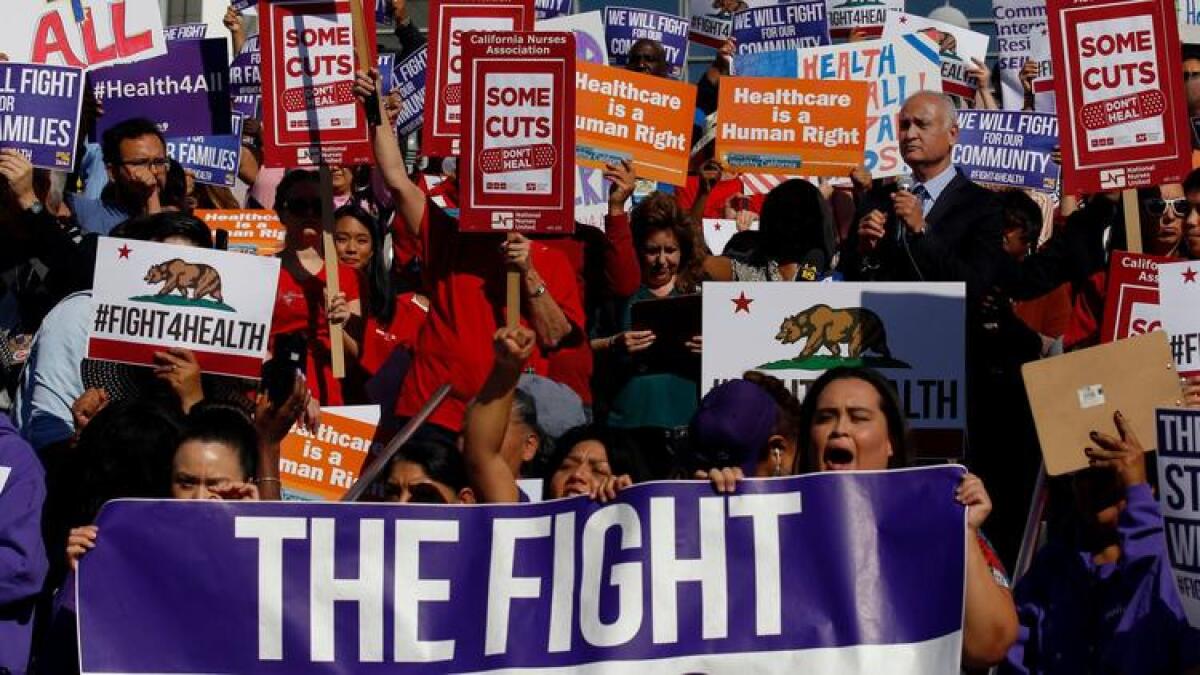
135, 154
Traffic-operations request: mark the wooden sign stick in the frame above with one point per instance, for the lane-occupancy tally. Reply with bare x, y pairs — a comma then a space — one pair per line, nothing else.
332, 281
362, 55
1133, 221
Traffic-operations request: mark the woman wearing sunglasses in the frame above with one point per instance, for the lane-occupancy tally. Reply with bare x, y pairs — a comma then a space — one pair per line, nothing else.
300, 297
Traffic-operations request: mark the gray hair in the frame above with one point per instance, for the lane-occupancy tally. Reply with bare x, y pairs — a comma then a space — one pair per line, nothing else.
949, 110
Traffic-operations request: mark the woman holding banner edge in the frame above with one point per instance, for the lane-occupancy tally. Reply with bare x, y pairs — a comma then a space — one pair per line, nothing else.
851, 420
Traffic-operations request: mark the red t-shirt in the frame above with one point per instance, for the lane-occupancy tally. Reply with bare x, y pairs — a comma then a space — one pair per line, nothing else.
300, 308
603, 263
380, 341
466, 280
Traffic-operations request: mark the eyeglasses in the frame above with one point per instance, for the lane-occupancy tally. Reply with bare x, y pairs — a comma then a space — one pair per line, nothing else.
1189, 75
1157, 207
302, 207
154, 164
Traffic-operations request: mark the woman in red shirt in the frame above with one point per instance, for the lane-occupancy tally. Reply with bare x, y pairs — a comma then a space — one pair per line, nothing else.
300, 297
390, 321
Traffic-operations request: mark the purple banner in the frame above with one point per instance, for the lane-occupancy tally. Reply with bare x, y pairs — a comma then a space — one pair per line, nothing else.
623, 26
408, 77
773, 28
186, 91
185, 31
39, 112
840, 572
211, 159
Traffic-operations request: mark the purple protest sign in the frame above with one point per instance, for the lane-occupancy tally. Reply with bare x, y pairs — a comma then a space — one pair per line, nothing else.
245, 75
186, 91
548, 9
857, 572
213, 160
773, 28
408, 77
383, 13
623, 26
185, 31
243, 5
39, 112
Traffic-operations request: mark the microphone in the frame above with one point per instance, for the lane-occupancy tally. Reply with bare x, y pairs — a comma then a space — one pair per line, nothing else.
904, 183
813, 266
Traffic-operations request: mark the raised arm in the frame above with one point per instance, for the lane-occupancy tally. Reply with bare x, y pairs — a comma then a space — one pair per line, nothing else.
488, 471
409, 199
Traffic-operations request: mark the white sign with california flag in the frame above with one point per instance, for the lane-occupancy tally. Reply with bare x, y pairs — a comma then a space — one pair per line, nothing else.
911, 332
148, 297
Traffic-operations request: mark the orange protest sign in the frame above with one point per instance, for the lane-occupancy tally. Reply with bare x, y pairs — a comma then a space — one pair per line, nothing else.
784, 126
256, 231
323, 466
621, 114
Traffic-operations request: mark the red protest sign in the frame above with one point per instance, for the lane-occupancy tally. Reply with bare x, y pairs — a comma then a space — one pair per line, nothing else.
449, 20
1119, 93
518, 133
310, 114
1131, 301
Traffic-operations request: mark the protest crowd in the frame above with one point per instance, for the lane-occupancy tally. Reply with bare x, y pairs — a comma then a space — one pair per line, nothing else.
516, 365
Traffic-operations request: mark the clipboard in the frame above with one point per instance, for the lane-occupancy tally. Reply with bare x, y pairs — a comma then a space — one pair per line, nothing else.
675, 320
1076, 393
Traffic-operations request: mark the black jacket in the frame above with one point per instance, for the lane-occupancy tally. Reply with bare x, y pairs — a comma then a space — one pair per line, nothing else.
961, 242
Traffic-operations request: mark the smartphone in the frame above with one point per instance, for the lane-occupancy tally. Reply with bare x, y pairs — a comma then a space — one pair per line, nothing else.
288, 359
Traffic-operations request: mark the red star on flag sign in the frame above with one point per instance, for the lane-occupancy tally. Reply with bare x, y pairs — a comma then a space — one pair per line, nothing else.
717, 227
1189, 277
741, 303
124, 251
904, 19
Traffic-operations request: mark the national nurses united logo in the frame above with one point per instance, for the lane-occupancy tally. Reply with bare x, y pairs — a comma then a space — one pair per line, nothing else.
831, 337
184, 283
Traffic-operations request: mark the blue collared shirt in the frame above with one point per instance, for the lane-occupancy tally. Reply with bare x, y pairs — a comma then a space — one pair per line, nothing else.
934, 188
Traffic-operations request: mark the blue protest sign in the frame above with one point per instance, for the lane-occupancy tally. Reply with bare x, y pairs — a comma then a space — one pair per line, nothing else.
548, 9
771, 28
185, 31
186, 91
386, 64
855, 572
243, 5
1008, 148
211, 159
39, 112
623, 26
408, 77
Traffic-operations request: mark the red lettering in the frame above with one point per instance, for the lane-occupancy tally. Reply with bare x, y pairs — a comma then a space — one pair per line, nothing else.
50, 37
1122, 74
95, 53
128, 45
1106, 45
316, 66
509, 96
313, 37
1140, 326
538, 127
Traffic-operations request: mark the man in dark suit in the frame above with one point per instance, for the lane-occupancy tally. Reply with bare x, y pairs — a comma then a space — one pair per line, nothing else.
945, 228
